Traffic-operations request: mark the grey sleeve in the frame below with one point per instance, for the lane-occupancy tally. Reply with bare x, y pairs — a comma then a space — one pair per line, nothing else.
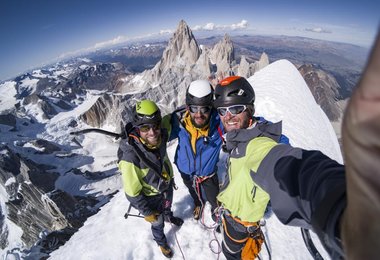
307, 189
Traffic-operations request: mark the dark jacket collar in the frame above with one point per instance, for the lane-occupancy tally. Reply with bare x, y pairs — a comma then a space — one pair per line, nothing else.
265, 129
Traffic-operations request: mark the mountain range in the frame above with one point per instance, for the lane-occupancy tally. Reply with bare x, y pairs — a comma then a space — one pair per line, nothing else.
41, 173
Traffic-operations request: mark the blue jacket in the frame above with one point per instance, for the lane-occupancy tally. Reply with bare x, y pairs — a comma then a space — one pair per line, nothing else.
203, 162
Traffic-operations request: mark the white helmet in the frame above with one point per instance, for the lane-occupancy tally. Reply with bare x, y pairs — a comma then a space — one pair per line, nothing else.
200, 93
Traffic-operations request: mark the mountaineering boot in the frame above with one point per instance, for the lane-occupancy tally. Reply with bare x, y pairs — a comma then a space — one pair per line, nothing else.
197, 212
176, 221
166, 251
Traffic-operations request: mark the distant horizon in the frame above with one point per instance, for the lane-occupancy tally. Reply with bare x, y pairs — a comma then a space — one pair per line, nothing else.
159, 37
40, 32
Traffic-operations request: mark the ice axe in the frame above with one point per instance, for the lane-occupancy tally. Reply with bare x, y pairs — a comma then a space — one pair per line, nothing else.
126, 215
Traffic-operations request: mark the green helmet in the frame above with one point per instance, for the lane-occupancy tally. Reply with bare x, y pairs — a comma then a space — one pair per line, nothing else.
146, 112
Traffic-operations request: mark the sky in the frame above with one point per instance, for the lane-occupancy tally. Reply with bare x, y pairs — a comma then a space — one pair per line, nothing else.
39, 32
107, 235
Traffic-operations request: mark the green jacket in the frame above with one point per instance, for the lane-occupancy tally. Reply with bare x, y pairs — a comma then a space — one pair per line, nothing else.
307, 188
240, 194
145, 172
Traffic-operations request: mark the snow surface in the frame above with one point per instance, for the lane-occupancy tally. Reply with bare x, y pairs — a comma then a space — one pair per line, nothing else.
7, 95
281, 94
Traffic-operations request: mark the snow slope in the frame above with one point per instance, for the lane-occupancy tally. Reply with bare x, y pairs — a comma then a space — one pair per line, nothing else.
281, 94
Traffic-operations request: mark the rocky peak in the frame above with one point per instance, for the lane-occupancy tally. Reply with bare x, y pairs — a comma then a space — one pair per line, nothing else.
182, 51
263, 61
223, 54
324, 88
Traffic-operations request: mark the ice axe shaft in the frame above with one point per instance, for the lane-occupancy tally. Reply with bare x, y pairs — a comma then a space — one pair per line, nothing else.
126, 215
132, 215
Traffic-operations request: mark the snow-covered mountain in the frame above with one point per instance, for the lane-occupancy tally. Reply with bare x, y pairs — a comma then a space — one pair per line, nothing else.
55, 181
282, 94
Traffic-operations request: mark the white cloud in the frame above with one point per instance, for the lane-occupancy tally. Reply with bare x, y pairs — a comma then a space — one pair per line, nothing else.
210, 27
118, 39
243, 24
167, 31
317, 30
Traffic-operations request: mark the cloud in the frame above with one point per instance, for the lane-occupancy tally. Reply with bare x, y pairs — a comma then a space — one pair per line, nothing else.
243, 24
99, 45
167, 31
118, 39
317, 30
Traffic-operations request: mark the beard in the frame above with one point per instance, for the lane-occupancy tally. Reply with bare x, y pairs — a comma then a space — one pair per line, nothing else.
202, 121
237, 122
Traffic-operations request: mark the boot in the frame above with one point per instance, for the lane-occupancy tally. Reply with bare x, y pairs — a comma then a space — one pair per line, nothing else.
166, 251
197, 212
176, 221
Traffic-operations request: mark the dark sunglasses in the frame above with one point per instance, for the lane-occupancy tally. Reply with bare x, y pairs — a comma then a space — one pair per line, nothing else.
196, 109
234, 110
145, 128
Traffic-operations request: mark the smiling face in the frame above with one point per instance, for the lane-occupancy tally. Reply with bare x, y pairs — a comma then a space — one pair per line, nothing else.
236, 121
150, 134
200, 116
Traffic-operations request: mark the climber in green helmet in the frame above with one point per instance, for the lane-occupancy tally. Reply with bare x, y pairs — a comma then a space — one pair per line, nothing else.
147, 172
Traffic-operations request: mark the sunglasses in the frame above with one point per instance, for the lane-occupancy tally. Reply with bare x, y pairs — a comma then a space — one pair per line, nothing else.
201, 109
234, 110
145, 128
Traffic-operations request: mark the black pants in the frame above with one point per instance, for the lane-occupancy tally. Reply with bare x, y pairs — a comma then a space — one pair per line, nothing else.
231, 249
209, 189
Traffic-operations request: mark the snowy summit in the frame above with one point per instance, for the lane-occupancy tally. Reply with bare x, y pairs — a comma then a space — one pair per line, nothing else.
281, 94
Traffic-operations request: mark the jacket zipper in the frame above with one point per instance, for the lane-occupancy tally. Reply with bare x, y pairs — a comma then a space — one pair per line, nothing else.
253, 192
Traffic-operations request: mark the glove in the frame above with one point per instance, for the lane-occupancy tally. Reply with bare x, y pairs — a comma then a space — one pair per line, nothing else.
176, 221
152, 217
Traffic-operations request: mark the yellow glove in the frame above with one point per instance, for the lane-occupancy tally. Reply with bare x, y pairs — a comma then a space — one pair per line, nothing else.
152, 217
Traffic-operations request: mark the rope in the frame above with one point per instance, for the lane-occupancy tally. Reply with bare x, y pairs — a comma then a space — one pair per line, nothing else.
219, 214
197, 187
219, 247
179, 246
196, 184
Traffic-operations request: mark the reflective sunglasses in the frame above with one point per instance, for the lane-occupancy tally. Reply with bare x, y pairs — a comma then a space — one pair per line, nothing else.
201, 109
145, 128
234, 110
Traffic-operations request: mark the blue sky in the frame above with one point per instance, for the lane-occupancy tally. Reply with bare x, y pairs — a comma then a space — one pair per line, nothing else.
40, 31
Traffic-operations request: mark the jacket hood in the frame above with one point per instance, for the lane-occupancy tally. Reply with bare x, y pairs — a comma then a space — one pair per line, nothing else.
262, 129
